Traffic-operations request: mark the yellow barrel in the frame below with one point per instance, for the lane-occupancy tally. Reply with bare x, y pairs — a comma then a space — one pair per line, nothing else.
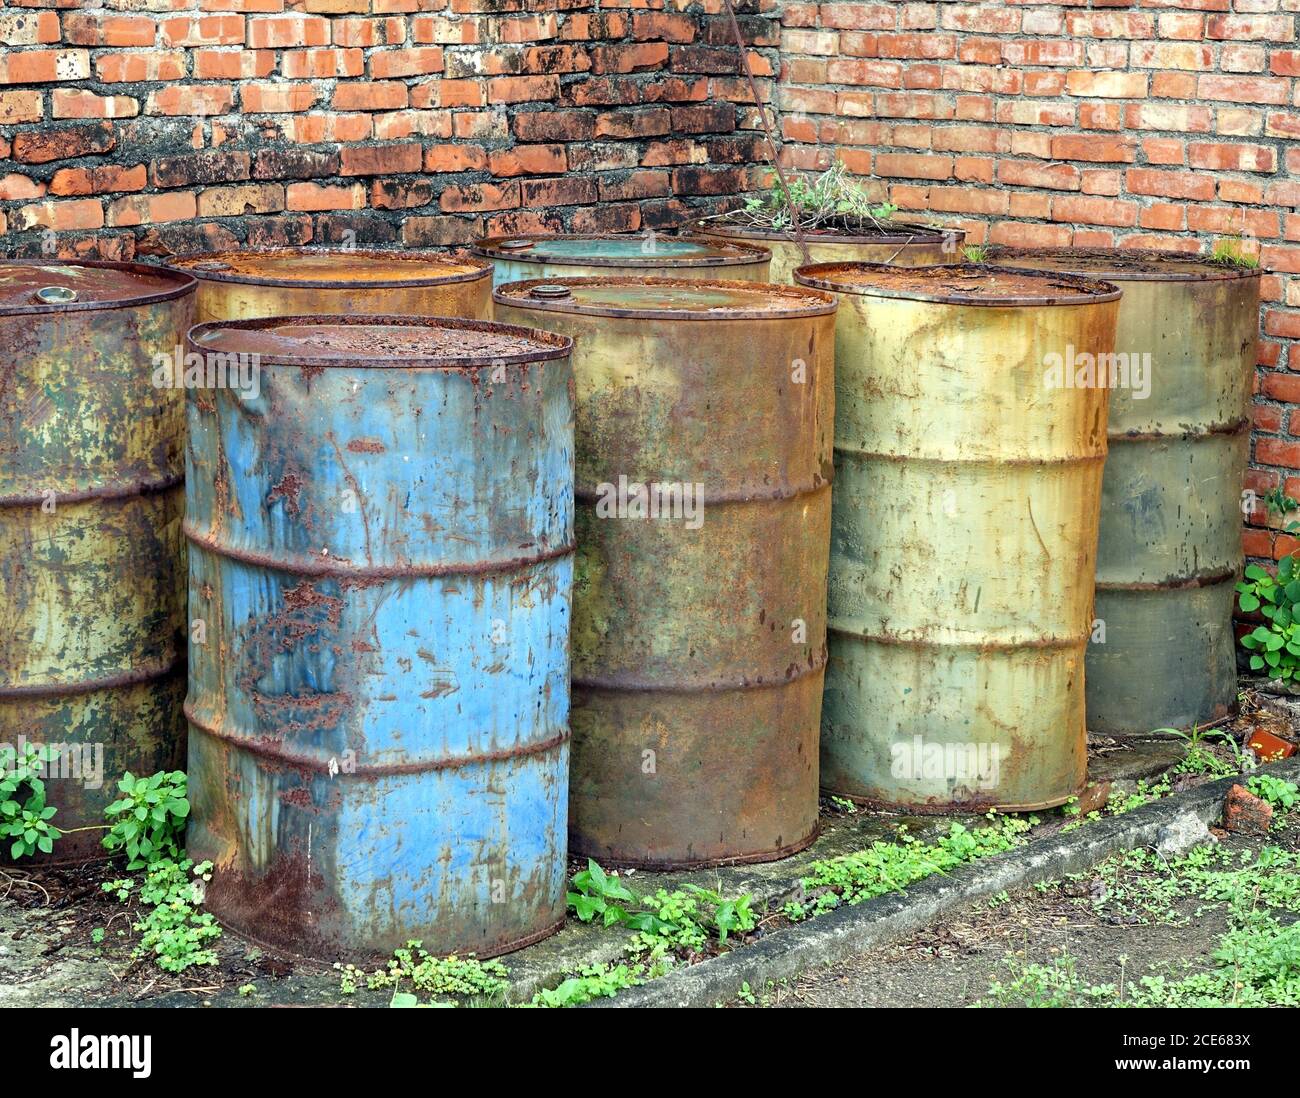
1169, 553
92, 561
256, 282
611, 255
703, 445
964, 533
897, 243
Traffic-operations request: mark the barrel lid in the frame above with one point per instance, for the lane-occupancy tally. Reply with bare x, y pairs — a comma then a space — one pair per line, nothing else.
52, 286
332, 268
889, 232
620, 250
1123, 264
958, 284
666, 298
375, 342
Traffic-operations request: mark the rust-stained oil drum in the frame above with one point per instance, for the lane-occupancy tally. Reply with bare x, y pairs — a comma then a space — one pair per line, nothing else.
611, 255
967, 486
704, 423
253, 282
1169, 551
92, 562
899, 243
381, 548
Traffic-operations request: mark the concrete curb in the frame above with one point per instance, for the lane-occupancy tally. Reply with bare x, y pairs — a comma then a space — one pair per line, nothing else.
848, 931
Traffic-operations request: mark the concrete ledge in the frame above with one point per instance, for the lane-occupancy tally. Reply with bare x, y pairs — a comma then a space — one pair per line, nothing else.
848, 931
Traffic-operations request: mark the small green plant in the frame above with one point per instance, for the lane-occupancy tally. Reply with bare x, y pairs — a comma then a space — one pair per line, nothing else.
1229, 253
173, 929
428, 975
892, 866
745, 995
601, 981
683, 918
97, 935
1055, 984
1199, 759
832, 198
975, 253
24, 816
670, 927
1280, 793
1275, 647
245, 990
148, 821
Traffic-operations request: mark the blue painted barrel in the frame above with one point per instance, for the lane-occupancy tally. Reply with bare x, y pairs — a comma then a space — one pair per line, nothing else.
380, 518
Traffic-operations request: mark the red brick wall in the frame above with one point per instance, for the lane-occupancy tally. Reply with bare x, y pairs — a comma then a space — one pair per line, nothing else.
139, 126
1168, 123
136, 126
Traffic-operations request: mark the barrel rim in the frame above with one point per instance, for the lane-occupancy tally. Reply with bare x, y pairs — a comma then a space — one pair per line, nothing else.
548, 345
807, 276
745, 253
921, 234
825, 304
483, 269
1208, 269
187, 285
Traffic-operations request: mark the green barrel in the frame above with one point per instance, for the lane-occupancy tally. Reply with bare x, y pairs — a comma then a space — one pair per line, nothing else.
1169, 551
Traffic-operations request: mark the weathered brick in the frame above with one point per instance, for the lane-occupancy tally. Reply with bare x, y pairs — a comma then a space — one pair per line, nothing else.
293, 164
455, 158
83, 213
130, 68
191, 99
76, 103
527, 160
63, 142
241, 200
152, 209
198, 169
20, 106
359, 95
95, 29
480, 196
317, 196
104, 179
380, 159
43, 66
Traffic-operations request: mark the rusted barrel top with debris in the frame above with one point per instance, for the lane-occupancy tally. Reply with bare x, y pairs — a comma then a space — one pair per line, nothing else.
1169, 551
964, 534
611, 255
92, 565
894, 242
703, 468
381, 549
252, 282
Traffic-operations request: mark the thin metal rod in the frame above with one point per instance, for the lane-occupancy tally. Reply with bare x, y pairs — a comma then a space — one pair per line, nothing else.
771, 140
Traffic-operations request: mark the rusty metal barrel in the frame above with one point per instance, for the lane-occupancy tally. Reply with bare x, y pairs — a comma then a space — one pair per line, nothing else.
92, 563
967, 485
253, 282
1169, 552
902, 243
381, 547
704, 419
610, 255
